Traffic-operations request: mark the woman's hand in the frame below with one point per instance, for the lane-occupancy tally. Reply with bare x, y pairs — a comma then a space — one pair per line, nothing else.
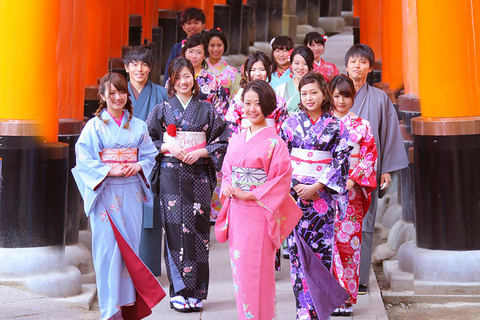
350, 184
243, 195
228, 191
131, 169
308, 192
192, 157
176, 151
385, 180
116, 171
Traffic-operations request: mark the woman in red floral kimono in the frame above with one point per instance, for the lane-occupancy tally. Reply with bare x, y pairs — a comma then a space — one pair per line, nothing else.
361, 182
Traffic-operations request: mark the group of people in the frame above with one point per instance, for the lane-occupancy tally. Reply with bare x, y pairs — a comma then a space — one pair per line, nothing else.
287, 150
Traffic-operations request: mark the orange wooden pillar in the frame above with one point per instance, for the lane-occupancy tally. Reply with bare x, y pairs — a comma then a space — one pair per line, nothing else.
126, 19
104, 37
117, 26
93, 39
447, 146
356, 8
371, 25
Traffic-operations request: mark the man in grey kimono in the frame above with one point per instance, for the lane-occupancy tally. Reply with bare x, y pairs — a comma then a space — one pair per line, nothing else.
145, 95
373, 104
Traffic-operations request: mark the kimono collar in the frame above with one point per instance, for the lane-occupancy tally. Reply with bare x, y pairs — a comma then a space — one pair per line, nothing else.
105, 115
184, 105
220, 63
250, 135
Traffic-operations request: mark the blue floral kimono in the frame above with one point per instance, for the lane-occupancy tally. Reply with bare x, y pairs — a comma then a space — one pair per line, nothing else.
115, 204
316, 227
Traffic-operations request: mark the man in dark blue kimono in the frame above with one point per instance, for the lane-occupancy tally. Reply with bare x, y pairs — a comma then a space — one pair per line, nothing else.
192, 21
145, 95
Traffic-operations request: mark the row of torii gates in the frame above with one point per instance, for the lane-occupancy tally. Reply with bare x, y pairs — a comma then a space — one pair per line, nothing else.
53, 54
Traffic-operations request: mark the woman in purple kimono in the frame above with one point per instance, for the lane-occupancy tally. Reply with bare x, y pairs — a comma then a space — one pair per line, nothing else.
192, 140
319, 150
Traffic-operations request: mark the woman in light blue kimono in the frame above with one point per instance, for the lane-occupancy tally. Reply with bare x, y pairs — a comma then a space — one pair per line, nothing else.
282, 47
114, 156
301, 63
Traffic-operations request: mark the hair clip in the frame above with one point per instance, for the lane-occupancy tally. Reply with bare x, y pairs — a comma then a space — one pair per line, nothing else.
271, 42
183, 42
218, 28
324, 38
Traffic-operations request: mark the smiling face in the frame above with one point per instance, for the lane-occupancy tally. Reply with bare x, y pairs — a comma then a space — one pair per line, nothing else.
184, 84
215, 48
317, 49
115, 99
258, 71
299, 66
312, 97
252, 109
138, 71
281, 57
358, 68
196, 55
193, 26
341, 103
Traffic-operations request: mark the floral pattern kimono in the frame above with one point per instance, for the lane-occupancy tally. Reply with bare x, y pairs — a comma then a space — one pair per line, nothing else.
348, 231
185, 192
327, 70
227, 76
235, 114
316, 227
254, 229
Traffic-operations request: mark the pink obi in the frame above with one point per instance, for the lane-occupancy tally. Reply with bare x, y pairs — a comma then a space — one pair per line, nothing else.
115, 157
354, 156
246, 123
187, 140
310, 163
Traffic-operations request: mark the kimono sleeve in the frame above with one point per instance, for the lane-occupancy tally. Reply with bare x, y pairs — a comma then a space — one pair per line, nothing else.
146, 153
227, 168
217, 134
278, 166
221, 103
335, 175
280, 113
287, 134
156, 125
234, 116
89, 172
364, 172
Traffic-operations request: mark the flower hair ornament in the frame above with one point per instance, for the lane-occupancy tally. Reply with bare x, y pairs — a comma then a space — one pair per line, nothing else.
218, 28
289, 53
172, 130
183, 42
324, 38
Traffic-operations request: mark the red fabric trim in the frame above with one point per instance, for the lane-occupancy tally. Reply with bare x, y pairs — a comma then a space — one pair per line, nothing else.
149, 292
327, 161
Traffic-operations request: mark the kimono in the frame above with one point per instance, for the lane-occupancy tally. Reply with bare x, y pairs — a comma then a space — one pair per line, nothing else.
114, 205
151, 239
373, 105
285, 77
327, 70
316, 227
348, 231
289, 92
227, 76
255, 229
238, 121
186, 192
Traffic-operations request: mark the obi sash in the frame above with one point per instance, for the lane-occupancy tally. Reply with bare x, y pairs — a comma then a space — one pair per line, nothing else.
248, 179
187, 140
270, 122
310, 163
115, 157
354, 156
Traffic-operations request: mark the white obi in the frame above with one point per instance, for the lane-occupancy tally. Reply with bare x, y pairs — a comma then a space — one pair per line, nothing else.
270, 122
310, 163
187, 140
354, 156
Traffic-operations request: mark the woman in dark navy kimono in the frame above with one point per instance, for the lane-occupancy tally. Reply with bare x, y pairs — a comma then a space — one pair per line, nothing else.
192, 140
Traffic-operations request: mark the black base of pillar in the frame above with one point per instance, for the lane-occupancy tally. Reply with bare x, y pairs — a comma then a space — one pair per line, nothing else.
91, 101
167, 20
221, 19
246, 29
135, 30
356, 30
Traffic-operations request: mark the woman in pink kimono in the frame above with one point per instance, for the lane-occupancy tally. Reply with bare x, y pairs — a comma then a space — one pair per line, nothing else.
361, 182
258, 212
316, 42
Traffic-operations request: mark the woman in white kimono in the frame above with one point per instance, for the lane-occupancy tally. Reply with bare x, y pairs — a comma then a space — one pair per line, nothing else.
301, 63
114, 156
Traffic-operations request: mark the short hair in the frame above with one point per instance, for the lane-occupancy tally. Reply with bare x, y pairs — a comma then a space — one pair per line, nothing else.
247, 66
174, 69
120, 83
192, 13
315, 77
216, 33
140, 54
266, 95
306, 53
312, 37
343, 84
193, 41
282, 42
362, 51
